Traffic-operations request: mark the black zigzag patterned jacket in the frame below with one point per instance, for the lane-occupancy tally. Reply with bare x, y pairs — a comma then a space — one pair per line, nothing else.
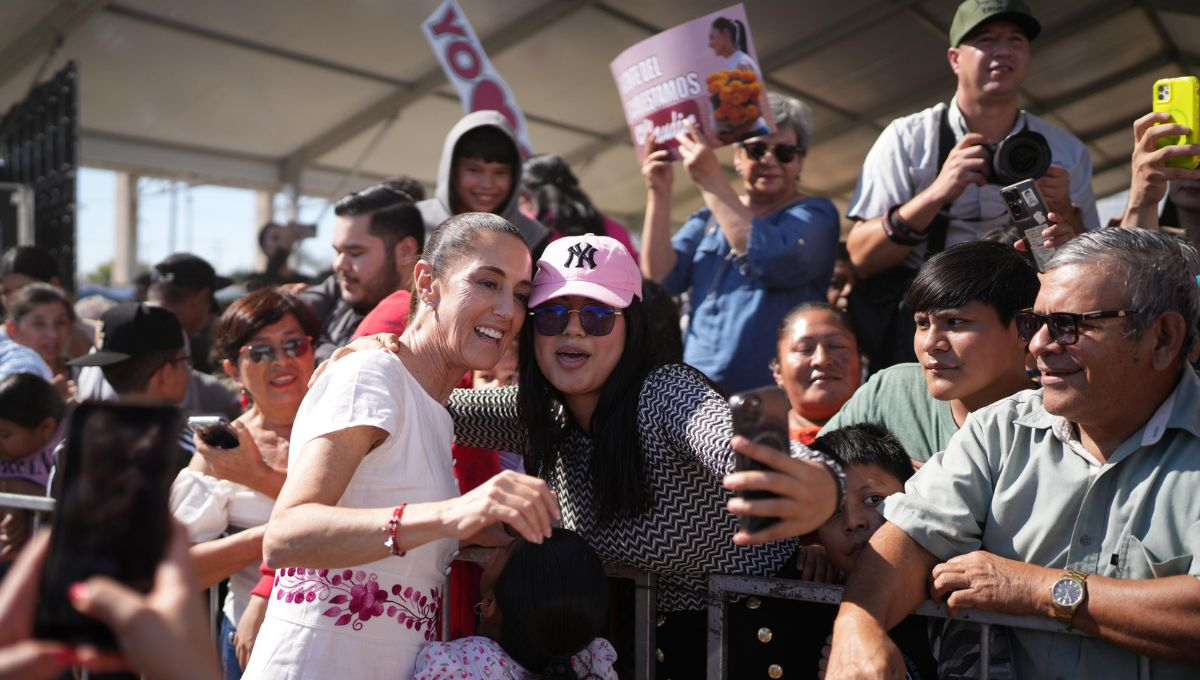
685, 431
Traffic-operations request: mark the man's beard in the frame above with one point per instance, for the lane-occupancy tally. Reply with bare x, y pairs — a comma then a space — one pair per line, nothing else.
388, 286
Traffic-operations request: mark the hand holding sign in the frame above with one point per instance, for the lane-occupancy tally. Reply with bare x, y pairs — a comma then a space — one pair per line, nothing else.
656, 168
699, 159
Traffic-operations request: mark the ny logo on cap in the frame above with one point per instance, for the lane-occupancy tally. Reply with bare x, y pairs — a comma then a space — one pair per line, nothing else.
580, 253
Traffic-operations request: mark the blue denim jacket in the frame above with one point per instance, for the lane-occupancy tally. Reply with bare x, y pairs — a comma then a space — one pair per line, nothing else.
738, 302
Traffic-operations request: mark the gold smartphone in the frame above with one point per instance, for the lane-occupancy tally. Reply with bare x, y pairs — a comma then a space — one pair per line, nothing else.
1180, 97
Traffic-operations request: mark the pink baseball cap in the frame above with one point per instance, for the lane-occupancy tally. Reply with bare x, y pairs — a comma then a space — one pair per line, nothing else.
596, 267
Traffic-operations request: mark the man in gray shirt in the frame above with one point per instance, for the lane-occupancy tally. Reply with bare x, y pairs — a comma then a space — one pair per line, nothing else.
1076, 503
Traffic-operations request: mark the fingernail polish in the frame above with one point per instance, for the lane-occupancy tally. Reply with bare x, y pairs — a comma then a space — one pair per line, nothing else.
78, 591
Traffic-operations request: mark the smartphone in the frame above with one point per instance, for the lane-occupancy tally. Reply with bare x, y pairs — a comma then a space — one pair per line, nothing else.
1180, 97
1029, 213
112, 517
761, 416
214, 431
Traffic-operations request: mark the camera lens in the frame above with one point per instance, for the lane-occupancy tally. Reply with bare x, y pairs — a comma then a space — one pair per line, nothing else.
1025, 155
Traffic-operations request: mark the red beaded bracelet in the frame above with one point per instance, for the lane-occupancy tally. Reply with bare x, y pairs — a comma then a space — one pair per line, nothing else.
392, 543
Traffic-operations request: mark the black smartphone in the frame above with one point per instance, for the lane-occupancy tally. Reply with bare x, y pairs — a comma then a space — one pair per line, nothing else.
760, 415
1029, 213
112, 517
214, 431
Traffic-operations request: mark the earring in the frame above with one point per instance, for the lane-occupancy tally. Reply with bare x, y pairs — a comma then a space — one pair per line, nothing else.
479, 608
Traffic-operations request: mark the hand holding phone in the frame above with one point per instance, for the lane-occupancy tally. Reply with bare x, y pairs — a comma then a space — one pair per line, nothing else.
1180, 97
214, 431
1029, 214
112, 517
760, 416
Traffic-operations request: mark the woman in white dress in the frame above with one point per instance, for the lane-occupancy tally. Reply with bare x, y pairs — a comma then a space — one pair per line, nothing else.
366, 525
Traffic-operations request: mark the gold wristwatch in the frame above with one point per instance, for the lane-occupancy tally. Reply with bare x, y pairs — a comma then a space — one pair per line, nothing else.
1067, 594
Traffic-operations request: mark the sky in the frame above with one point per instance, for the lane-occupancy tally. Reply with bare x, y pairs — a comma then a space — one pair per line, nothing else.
216, 223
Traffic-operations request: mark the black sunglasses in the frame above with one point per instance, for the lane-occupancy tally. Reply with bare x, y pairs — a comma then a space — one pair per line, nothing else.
1064, 326
596, 320
784, 153
293, 347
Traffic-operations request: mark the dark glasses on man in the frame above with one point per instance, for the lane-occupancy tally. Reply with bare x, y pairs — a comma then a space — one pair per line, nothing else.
292, 347
784, 153
1064, 326
596, 320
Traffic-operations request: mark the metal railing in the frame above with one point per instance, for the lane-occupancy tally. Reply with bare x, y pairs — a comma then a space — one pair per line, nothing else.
721, 586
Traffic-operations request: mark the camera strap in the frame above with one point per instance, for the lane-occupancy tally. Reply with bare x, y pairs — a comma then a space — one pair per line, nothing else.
941, 222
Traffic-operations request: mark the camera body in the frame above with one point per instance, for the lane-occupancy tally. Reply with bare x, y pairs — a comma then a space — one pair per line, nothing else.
1179, 97
1024, 155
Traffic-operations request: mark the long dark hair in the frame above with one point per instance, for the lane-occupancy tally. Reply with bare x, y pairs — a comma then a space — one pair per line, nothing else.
617, 461
553, 598
558, 202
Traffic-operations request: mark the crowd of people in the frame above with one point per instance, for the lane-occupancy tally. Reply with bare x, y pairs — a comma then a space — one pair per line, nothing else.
499, 366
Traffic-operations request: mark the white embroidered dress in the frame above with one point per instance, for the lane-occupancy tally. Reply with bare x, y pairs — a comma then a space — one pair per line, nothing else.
370, 620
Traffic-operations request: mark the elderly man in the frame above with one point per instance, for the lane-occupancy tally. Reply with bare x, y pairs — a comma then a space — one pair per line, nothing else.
1076, 503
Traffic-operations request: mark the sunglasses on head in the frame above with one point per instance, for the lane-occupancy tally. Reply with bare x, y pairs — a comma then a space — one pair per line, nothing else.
262, 352
1063, 326
596, 320
784, 153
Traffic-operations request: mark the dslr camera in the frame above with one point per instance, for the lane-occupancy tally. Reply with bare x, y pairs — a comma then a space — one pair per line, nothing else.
1024, 155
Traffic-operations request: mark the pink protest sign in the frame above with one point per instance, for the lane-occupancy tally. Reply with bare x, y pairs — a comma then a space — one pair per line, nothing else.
467, 66
704, 72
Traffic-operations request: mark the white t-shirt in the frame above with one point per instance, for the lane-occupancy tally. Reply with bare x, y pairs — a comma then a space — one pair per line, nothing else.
370, 620
903, 163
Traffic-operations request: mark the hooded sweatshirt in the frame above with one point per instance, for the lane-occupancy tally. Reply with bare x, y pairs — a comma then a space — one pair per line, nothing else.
436, 210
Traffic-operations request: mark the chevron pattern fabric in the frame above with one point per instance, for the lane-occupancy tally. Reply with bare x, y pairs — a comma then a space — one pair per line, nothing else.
685, 430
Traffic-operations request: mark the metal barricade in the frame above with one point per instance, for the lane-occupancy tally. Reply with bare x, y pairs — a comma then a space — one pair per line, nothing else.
645, 608
721, 586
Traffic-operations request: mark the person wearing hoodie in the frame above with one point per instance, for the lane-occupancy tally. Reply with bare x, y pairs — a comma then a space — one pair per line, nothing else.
479, 172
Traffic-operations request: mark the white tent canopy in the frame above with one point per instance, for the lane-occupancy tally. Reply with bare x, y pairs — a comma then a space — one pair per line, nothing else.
272, 93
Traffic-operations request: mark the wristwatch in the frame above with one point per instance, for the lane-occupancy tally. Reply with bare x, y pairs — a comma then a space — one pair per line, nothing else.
1067, 594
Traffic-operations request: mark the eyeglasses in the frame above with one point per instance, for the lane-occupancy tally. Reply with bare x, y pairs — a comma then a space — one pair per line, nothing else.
264, 353
784, 153
596, 320
1064, 326
186, 359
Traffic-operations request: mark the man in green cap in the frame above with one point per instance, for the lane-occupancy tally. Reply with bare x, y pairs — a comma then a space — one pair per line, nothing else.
929, 181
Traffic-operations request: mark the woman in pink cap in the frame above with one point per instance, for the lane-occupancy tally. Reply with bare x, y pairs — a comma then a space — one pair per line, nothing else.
635, 446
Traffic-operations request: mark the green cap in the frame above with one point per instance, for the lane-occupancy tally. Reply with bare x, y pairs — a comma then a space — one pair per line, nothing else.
972, 13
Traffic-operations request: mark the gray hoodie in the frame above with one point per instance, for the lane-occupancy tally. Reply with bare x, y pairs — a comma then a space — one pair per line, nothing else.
435, 210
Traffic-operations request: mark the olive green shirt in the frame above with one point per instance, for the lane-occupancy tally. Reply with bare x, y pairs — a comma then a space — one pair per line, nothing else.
1016, 481
898, 398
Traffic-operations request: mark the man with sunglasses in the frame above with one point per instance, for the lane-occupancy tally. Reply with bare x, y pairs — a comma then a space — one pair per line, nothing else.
745, 260
1076, 503
928, 181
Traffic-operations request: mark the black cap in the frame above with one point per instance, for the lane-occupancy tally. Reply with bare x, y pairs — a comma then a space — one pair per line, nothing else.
189, 271
131, 329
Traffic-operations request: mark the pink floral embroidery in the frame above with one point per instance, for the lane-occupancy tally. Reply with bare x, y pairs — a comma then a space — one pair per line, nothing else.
357, 597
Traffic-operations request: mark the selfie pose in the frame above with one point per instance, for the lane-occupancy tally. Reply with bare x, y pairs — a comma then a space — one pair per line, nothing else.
363, 532
635, 446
